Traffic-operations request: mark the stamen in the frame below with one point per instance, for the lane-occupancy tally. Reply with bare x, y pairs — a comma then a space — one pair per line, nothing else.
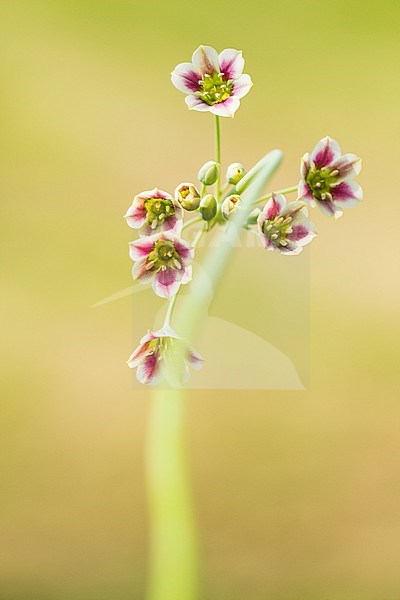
167, 209
274, 236
323, 196
177, 263
289, 230
318, 184
287, 220
334, 173
269, 227
283, 243
279, 221
161, 216
150, 265
154, 224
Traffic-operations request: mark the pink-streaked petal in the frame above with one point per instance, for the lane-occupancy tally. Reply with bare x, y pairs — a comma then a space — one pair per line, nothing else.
148, 371
346, 194
325, 152
173, 225
154, 193
290, 249
293, 208
305, 165
303, 230
231, 63
136, 214
274, 206
195, 103
226, 108
242, 86
138, 354
184, 249
140, 273
304, 193
329, 209
166, 283
348, 165
196, 361
206, 60
185, 78
141, 248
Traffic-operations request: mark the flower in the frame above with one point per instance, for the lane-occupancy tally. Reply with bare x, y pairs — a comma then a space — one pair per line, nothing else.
154, 211
188, 196
327, 178
230, 204
164, 260
234, 173
284, 227
213, 82
155, 349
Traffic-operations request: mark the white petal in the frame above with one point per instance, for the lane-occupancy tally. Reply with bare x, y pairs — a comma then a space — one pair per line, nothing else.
205, 60
231, 63
226, 108
185, 78
242, 86
195, 103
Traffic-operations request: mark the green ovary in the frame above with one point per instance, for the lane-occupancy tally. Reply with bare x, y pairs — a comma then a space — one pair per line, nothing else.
158, 209
215, 88
320, 182
164, 255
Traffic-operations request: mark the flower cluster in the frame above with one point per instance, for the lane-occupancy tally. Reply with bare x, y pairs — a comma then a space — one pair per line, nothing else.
215, 83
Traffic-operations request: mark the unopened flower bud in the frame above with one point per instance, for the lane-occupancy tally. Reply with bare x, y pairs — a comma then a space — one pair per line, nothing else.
208, 207
229, 205
187, 196
235, 172
209, 173
253, 216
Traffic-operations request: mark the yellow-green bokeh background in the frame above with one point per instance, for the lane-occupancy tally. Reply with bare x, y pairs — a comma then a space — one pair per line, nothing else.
296, 492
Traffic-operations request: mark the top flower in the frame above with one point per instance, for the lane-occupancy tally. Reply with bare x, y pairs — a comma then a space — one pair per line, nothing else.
327, 178
213, 82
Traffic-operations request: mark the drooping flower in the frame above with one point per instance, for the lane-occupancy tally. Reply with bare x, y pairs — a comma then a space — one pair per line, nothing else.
156, 349
285, 227
154, 211
327, 178
213, 82
163, 260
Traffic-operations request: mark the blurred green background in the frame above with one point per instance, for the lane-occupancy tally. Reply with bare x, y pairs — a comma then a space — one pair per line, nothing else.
296, 492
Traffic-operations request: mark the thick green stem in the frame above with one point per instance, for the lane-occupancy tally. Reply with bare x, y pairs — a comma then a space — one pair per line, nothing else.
173, 548
173, 541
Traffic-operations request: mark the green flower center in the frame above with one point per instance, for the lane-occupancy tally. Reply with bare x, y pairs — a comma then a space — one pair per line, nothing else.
215, 88
158, 209
278, 229
163, 256
320, 182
